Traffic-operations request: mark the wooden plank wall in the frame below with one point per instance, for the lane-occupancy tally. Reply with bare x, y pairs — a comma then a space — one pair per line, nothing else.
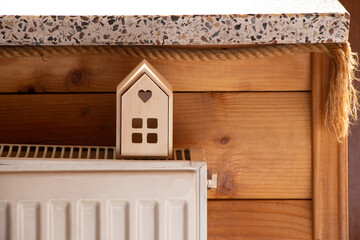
353, 7
253, 118
330, 211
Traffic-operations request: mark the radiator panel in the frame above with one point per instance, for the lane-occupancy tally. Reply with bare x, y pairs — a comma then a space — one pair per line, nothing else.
142, 200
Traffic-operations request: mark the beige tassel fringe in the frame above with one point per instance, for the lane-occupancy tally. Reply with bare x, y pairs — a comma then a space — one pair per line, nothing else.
342, 101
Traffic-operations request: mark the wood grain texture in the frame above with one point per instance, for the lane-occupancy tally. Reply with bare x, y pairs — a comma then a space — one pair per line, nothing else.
258, 143
101, 73
329, 164
353, 7
257, 219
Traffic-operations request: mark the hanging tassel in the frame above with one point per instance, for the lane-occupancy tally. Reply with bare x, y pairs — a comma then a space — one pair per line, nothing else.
342, 101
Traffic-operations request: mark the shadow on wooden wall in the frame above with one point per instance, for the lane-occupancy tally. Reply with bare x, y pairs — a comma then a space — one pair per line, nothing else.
353, 7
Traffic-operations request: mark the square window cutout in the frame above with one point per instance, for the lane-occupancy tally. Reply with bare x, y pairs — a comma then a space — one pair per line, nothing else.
152, 123
152, 138
137, 138
137, 123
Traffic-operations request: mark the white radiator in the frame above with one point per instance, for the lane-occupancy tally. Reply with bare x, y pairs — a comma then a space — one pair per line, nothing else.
62, 198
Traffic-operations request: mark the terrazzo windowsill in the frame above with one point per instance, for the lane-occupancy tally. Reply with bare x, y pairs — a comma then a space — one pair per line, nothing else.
331, 25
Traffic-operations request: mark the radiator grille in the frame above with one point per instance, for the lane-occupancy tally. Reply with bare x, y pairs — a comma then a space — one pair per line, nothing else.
131, 200
71, 152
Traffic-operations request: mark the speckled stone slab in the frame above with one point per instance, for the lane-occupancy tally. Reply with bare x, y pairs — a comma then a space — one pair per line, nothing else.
316, 21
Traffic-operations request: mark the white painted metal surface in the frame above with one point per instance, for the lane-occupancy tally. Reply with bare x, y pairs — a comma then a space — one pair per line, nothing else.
81, 152
102, 199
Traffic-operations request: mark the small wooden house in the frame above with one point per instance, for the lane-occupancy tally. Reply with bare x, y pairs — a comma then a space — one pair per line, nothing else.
144, 106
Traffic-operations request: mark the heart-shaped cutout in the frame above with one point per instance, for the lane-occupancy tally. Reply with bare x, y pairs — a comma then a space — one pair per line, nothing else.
145, 95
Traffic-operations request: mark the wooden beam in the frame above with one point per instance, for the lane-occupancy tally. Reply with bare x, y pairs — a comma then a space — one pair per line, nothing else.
259, 219
329, 163
102, 73
258, 143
